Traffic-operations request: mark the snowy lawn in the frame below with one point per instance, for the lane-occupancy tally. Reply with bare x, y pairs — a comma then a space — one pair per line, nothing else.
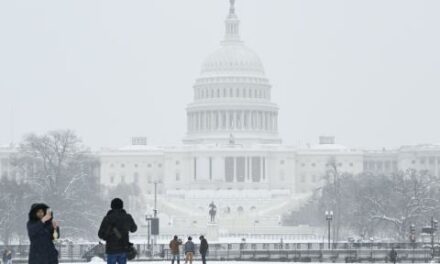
222, 262
100, 261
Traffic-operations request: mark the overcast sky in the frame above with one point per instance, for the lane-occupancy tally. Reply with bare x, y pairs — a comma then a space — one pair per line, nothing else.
366, 71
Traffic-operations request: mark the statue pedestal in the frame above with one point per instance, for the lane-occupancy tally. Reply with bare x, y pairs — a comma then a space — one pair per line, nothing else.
212, 232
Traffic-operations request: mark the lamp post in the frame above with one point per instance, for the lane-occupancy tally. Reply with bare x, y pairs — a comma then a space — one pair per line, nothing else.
155, 182
434, 224
412, 238
255, 224
329, 218
148, 219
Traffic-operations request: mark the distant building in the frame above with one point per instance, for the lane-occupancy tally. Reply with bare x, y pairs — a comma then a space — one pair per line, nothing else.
232, 153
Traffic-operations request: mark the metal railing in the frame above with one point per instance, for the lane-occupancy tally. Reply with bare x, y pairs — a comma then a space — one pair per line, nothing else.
293, 252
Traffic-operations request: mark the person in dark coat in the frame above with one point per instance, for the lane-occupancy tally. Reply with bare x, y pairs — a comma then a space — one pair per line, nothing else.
41, 229
393, 255
203, 248
114, 230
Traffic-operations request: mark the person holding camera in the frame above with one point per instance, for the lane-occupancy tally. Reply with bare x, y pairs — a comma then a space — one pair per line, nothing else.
174, 248
114, 229
42, 231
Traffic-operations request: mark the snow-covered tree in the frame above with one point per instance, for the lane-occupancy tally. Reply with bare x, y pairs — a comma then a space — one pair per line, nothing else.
369, 205
63, 174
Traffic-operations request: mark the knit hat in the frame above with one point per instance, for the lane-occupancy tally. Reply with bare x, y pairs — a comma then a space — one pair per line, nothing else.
117, 204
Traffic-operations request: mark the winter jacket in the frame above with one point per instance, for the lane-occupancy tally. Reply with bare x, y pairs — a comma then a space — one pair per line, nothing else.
203, 246
174, 246
393, 255
114, 230
42, 250
7, 255
189, 247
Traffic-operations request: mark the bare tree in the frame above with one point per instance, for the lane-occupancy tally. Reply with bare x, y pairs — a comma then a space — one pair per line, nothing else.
63, 173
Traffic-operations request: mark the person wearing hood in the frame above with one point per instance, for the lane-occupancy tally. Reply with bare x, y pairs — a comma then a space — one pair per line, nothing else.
42, 230
114, 229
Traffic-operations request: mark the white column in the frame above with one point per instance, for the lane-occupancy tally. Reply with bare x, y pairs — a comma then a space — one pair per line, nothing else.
264, 120
203, 124
206, 120
189, 122
212, 117
242, 120
260, 120
196, 121
272, 122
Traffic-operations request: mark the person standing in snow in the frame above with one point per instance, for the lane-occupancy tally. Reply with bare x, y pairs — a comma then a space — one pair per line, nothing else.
203, 248
114, 229
7, 256
190, 249
393, 255
41, 230
174, 248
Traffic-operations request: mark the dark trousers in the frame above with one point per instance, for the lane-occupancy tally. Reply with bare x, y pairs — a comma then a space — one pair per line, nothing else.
203, 257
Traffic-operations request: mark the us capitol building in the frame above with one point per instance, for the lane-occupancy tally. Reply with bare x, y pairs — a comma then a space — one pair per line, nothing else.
232, 154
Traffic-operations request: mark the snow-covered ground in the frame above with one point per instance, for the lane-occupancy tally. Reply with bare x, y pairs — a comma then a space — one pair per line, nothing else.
100, 261
223, 262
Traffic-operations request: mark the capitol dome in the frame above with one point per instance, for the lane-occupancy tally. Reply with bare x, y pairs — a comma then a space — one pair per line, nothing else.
233, 58
232, 96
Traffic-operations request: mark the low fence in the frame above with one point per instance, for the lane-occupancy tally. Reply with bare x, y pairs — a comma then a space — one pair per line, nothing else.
292, 252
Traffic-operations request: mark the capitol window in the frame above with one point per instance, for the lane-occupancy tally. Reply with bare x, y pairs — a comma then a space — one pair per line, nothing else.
122, 165
177, 176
